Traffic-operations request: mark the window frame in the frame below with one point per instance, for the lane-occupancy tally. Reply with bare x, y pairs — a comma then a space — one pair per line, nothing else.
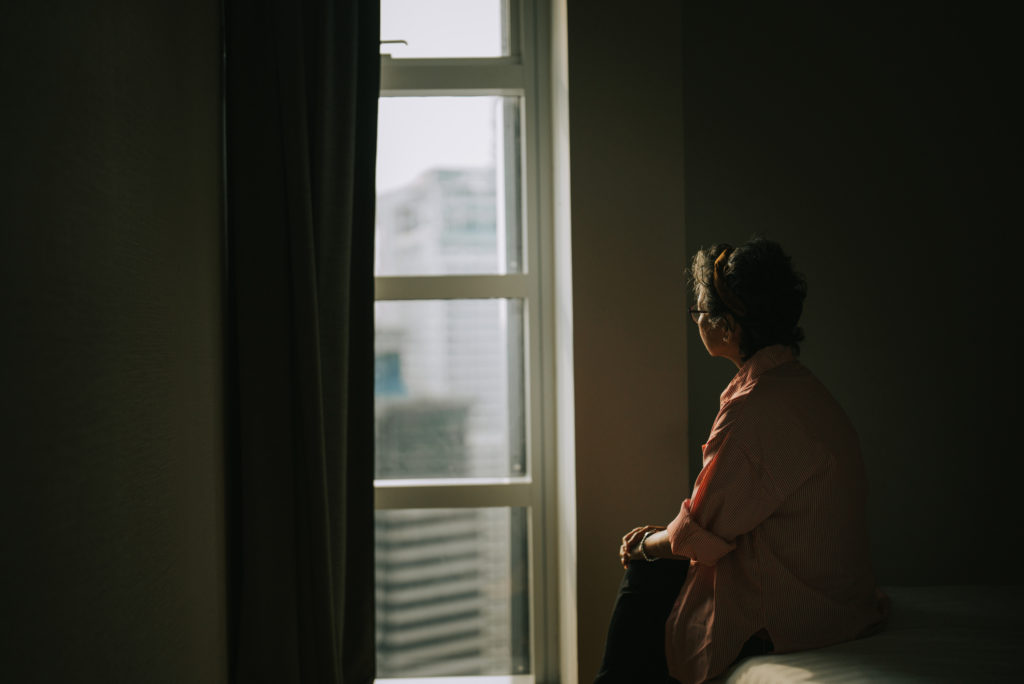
522, 74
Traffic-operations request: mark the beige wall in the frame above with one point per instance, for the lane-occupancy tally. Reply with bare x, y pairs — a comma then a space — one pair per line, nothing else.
112, 494
626, 169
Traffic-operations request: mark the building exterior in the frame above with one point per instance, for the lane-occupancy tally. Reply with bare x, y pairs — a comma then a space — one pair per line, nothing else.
450, 582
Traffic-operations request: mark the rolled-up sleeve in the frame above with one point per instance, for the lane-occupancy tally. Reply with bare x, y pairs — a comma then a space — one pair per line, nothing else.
691, 540
734, 492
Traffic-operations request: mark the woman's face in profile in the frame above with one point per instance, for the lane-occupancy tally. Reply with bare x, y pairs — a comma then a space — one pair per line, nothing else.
718, 339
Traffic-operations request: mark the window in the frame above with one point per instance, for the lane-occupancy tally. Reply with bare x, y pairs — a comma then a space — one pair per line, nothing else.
463, 433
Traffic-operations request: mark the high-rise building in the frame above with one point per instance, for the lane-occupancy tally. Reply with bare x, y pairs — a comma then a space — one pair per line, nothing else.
448, 378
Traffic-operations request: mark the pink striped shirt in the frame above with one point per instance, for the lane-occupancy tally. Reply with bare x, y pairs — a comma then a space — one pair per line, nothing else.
775, 527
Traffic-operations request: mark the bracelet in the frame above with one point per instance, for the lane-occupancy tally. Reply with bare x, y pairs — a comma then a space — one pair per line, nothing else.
643, 551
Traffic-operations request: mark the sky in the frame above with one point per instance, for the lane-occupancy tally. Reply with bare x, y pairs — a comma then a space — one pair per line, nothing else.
419, 133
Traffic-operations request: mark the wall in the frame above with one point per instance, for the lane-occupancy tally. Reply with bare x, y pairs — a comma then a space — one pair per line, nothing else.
111, 492
628, 301
881, 148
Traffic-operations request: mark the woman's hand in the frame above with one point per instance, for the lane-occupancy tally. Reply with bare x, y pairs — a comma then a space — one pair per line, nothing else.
629, 550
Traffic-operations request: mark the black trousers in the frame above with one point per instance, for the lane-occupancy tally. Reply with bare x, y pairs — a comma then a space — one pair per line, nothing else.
634, 652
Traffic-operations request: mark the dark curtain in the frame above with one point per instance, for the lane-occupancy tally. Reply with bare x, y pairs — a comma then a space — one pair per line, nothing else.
301, 86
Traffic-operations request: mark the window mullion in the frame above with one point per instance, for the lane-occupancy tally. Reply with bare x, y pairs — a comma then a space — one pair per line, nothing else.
423, 494
513, 286
483, 77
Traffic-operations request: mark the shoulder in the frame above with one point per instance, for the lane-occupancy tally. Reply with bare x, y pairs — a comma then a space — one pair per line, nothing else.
788, 416
771, 396
787, 389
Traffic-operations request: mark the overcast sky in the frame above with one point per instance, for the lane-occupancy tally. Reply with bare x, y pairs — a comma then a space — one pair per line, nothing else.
417, 133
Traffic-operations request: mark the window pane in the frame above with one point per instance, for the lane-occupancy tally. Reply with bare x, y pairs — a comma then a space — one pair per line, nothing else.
449, 388
444, 28
452, 596
448, 177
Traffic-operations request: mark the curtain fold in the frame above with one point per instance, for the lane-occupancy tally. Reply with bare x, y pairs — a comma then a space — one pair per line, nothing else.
301, 86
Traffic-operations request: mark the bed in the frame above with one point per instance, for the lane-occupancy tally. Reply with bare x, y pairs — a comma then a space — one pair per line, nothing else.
962, 634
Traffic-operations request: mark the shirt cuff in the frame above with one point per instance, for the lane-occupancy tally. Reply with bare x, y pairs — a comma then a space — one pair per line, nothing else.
689, 539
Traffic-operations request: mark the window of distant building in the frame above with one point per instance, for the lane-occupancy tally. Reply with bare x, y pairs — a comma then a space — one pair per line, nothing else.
464, 584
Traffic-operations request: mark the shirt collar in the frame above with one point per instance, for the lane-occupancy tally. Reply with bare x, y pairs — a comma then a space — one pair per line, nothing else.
761, 362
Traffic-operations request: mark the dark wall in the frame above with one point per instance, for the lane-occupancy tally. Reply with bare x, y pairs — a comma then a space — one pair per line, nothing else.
111, 484
881, 147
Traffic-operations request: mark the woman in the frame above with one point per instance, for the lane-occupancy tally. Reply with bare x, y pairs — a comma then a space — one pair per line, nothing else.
770, 552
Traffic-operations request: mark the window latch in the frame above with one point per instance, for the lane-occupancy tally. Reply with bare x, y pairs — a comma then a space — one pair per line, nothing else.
390, 42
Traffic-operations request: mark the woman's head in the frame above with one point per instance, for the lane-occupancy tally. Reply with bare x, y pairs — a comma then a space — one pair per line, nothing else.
754, 286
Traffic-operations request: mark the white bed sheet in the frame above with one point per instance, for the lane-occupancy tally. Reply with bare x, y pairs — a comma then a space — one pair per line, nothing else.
962, 634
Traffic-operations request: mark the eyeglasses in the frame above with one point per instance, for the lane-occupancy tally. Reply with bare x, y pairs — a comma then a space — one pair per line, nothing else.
695, 313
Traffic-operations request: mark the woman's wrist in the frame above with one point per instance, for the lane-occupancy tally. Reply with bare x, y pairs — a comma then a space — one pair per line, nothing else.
654, 540
642, 547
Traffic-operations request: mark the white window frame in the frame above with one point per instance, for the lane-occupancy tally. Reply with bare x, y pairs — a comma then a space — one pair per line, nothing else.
523, 74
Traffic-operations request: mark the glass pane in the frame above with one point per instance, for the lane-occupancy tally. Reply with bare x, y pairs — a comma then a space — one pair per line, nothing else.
449, 388
452, 596
444, 28
448, 177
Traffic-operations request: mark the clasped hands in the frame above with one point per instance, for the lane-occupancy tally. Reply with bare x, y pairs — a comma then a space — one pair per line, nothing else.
630, 548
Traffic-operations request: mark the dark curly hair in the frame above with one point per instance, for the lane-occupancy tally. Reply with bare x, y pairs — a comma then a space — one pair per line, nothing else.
761, 276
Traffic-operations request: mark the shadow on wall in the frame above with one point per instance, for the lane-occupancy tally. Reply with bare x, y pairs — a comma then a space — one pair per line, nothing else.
880, 147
